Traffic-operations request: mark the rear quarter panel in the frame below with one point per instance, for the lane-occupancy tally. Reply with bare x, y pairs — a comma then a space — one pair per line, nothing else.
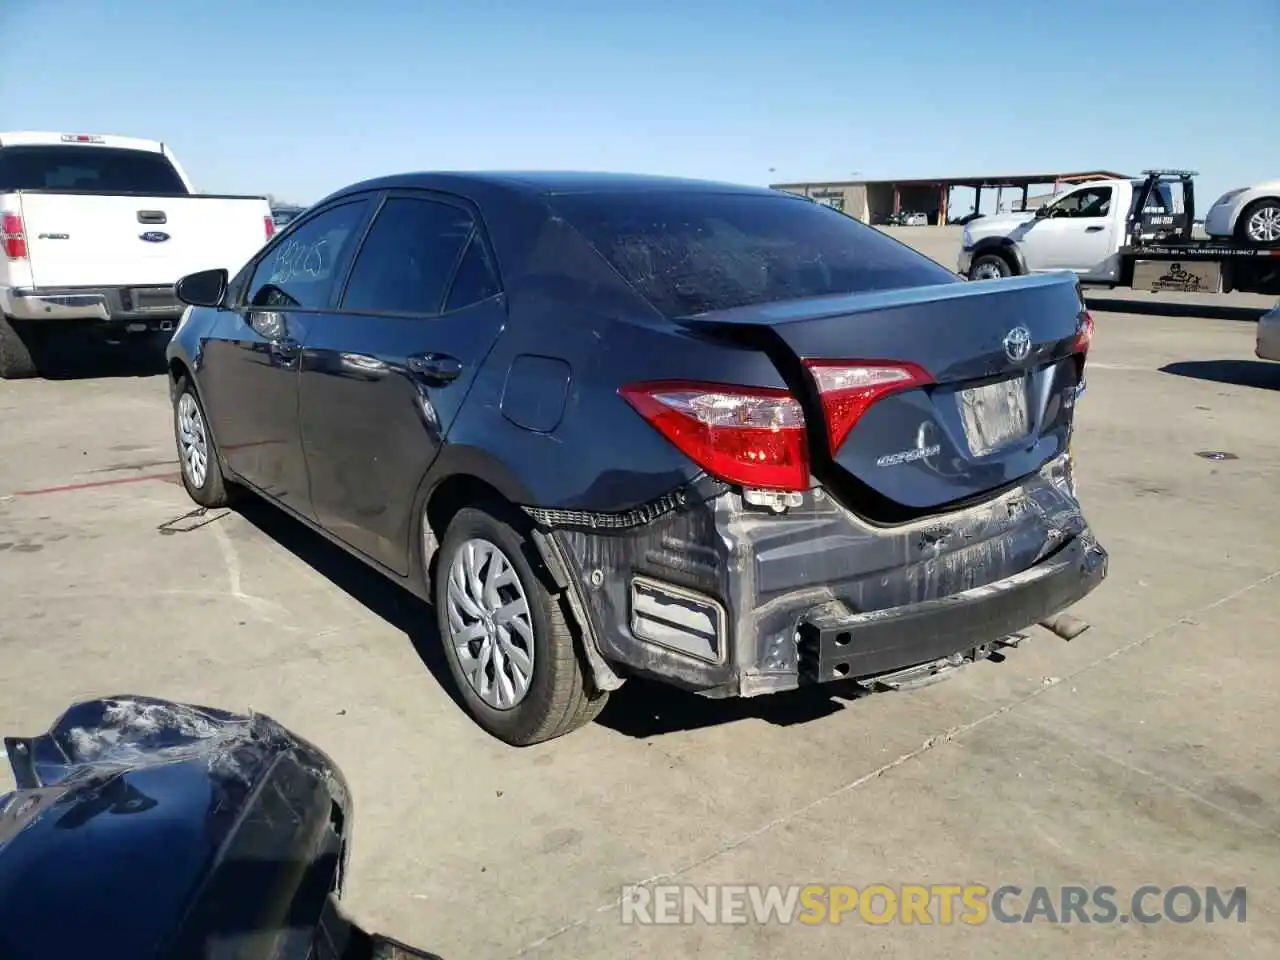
592, 452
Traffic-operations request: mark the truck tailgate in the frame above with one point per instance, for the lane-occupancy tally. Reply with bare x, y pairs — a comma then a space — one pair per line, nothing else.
79, 240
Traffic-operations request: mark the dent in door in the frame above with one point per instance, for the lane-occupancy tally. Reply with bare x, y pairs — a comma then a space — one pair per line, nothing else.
535, 392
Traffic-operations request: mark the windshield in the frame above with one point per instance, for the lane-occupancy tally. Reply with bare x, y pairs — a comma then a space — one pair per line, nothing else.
89, 170
692, 252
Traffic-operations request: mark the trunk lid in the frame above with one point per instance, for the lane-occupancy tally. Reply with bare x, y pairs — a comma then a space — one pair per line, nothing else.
88, 240
1001, 360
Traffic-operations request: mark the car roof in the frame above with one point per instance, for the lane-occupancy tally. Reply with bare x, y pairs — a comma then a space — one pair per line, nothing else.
548, 182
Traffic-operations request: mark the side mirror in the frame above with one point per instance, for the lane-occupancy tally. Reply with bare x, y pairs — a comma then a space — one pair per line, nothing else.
1042, 213
203, 289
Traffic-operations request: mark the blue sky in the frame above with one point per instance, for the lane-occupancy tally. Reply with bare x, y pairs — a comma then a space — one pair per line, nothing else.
298, 98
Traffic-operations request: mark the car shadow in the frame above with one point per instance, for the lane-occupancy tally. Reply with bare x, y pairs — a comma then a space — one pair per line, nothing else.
645, 708
413, 617
1262, 374
83, 356
1172, 308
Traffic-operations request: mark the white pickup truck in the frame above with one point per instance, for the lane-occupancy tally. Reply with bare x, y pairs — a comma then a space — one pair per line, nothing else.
1137, 233
1082, 230
97, 229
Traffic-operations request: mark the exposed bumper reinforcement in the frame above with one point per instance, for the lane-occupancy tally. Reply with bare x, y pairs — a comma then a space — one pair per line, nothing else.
833, 646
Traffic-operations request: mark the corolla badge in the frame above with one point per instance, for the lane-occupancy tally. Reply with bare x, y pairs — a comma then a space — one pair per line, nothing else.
154, 236
924, 449
1017, 344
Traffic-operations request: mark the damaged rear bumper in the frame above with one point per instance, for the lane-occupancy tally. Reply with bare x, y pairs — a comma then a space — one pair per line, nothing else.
834, 643
716, 596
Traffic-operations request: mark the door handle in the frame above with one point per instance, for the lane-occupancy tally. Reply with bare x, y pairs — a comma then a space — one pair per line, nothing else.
1094, 229
363, 363
437, 369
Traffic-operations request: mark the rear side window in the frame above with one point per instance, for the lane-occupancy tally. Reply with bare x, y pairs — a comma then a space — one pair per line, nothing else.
408, 257
475, 279
1161, 200
89, 170
300, 271
691, 252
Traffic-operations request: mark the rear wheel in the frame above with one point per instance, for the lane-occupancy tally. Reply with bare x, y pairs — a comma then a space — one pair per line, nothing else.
506, 638
201, 471
1259, 222
16, 362
989, 266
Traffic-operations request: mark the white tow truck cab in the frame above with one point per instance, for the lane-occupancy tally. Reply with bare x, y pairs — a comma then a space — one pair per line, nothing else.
1135, 233
96, 229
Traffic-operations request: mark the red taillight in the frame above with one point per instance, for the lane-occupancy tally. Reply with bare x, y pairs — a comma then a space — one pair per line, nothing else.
14, 234
849, 387
751, 436
269, 225
1084, 333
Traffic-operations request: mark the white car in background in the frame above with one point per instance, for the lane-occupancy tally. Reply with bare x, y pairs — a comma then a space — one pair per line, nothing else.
1250, 214
1268, 347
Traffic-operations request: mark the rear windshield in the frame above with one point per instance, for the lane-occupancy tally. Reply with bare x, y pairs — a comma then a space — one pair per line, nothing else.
89, 170
691, 253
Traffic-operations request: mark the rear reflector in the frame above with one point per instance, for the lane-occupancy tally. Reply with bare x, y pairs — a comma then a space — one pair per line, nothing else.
269, 225
753, 436
849, 387
14, 235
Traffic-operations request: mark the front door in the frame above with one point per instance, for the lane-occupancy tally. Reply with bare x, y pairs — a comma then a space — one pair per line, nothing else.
250, 362
1075, 234
383, 378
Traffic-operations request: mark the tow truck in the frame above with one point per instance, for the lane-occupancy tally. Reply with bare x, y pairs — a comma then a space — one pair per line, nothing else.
1120, 233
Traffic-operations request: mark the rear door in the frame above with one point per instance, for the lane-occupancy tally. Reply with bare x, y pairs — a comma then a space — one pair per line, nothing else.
383, 378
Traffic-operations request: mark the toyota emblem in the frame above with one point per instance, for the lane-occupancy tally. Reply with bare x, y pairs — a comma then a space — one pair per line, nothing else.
1017, 344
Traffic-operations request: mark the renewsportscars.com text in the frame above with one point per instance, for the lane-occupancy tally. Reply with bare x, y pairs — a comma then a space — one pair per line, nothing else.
939, 904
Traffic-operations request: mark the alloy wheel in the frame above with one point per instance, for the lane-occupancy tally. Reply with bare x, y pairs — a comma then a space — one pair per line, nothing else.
1264, 225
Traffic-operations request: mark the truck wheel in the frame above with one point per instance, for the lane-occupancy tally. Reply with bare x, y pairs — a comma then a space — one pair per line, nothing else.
201, 469
16, 362
1259, 222
989, 266
508, 644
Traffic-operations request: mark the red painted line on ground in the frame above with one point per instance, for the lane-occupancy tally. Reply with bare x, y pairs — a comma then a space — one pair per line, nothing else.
72, 487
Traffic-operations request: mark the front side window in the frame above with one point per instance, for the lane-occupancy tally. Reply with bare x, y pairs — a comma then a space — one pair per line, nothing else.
408, 257
300, 271
695, 252
1089, 202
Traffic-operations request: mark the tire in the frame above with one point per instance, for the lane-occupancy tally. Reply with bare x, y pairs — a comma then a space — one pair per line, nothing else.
16, 362
1259, 223
556, 699
207, 487
988, 264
